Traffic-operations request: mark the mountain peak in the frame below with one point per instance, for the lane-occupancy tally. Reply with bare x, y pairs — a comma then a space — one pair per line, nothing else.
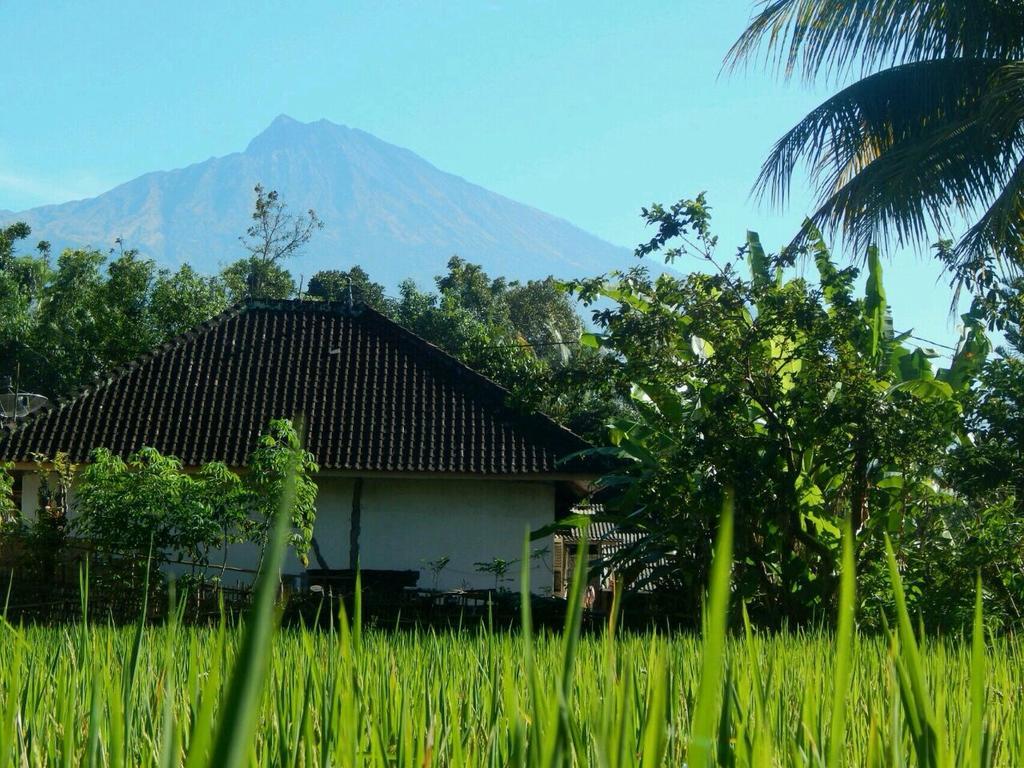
284, 119
385, 208
286, 131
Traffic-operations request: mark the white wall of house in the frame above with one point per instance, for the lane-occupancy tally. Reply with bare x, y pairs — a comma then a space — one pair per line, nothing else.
408, 521
29, 495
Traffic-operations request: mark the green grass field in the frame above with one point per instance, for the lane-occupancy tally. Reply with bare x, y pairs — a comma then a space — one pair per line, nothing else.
246, 695
415, 699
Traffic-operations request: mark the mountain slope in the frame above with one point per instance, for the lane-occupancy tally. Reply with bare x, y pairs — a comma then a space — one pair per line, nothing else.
384, 208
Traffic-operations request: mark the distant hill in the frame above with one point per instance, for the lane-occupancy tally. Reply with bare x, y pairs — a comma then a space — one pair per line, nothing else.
384, 208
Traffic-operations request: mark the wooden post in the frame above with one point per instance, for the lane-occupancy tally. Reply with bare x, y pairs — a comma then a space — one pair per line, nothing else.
357, 514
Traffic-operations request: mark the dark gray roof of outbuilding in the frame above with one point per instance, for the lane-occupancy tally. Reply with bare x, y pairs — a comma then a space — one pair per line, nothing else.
375, 397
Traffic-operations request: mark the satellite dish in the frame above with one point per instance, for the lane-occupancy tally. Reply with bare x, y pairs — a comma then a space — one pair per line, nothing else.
17, 405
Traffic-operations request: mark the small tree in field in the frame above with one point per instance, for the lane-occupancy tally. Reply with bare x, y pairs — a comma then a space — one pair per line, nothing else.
435, 567
498, 567
148, 501
145, 500
277, 457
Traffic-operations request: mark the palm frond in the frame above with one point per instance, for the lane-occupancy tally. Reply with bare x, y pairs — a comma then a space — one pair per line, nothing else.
909, 192
1002, 106
826, 37
1001, 228
854, 128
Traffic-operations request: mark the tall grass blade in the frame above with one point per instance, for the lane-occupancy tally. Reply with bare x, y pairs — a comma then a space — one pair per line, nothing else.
910, 671
844, 648
237, 723
977, 740
702, 747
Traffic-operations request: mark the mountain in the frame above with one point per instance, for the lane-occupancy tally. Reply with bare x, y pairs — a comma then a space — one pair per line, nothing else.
384, 208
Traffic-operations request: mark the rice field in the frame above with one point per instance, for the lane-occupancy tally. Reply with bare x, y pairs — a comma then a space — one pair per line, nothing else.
250, 694
420, 699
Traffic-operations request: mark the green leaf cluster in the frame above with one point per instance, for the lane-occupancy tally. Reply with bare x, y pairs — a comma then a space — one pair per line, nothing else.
798, 394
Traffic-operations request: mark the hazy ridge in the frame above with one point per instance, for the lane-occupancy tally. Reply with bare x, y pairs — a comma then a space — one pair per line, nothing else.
384, 208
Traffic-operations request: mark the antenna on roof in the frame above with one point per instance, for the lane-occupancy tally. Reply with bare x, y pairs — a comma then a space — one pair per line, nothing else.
351, 303
15, 405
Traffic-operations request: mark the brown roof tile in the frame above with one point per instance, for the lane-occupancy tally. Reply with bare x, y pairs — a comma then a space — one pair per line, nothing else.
375, 398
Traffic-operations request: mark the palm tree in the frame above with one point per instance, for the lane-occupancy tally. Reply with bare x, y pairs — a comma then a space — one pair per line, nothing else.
930, 136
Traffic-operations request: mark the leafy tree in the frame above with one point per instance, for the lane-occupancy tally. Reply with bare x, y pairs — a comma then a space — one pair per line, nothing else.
800, 397
497, 567
490, 346
436, 566
66, 335
524, 336
334, 285
21, 281
182, 300
247, 279
10, 515
62, 326
987, 464
124, 504
467, 286
541, 312
277, 461
930, 133
273, 237
124, 325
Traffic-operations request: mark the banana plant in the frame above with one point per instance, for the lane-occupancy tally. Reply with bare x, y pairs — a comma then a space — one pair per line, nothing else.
801, 396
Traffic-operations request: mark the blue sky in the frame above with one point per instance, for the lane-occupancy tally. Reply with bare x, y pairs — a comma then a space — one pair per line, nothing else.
587, 110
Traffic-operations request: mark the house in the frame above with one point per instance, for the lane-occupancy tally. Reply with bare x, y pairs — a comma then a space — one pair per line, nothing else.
430, 453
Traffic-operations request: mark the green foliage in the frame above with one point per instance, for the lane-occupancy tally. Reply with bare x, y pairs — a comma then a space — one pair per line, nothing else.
524, 336
63, 326
10, 515
940, 89
126, 504
987, 523
249, 279
799, 396
335, 285
436, 566
182, 300
277, 468
498, 567
148, 501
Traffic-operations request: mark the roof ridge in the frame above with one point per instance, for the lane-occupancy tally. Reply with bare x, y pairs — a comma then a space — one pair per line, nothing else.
473, 373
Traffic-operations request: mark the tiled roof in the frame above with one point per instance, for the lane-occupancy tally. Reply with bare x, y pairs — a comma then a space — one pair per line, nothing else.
375, 397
